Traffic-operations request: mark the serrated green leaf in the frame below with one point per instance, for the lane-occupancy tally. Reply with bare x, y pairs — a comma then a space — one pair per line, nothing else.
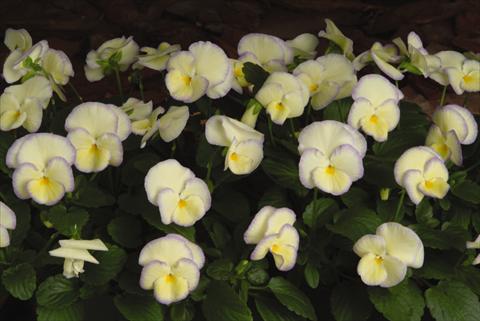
74, 312
220, 269
182, 311
338, 110
284, 172
223, 201
452, 300
349, 302
255, 75
20, 281
355, 223
311, 276
468, 191
139, 308
88, 194
126, 230
319, 211
355, 197
57, 291
153, 218
222, 303
292, 298
451, 237
270, 310
257, 276
424, 214
274, 196
68, 222
111, 262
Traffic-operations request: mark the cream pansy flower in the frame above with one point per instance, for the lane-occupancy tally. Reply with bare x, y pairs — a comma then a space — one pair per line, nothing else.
375, 108
334, 34
96, 131
386, 255
272, 231
76, 253
304, 45
147, 127
328, 78
8, 221
203, 69
475, 245
156, 58
57, 64
383, 57
421, 172
448, 59
115, 53
465, 77
171, 267
453, 126
171, 124
269, 52
42, 165
245, 144
331, 156
137, 109
181, 197
21, 105
17, 39
284, 96
19, 63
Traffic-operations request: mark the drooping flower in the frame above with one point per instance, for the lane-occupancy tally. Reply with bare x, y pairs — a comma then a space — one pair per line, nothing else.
386, 255
448, 59
20, 63
375, 108
59, 68
76, 253
171, 267
42, 165
96, 131
245, 144
284, 96
8, 221
453, 126
17, 39
269, 52
137, 109
383, 57
203, 69
156, 58
272, 231
331, 156
304, 45
148, 126
334, 34
421, 172
115, 53
182, 198
328, 78
475, 245
22, 105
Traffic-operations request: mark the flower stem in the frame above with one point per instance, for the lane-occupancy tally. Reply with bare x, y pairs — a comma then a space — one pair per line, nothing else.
75, 91
140, 86
444, 92
399, 206
270, 131
292, 127
47, 245
119, 84
465, 100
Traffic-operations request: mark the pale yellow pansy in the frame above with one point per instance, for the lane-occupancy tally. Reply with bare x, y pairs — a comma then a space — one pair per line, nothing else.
448, 59
383, 57
148, 126
421, 172
245, 144
96, 131
334, 34
284, 96
22, 105
386, 255
304, 45
328, 78
76, 253
269, 52
19, 63
156, 58
475, 245
375, 107
269, 220
8, 221
171, 124
42, 165
123, 50
453, 126
465, 77
181, 197
57, 64
137, 109
203, 69
331, 156
17, 39
171, 267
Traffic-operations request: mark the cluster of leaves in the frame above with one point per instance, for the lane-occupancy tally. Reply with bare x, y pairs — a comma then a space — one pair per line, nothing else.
324, 284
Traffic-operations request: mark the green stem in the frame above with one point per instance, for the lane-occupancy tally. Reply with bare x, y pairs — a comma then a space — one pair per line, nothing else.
174, 148
309, 110
93, 176
465, 100
270, 131
399, 206
119, 84
75, 91
292, 127
47, 245
140, 86
315, 194
477, 163
444, 92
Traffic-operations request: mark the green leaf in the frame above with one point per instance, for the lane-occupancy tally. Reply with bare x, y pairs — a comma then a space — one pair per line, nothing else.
111, 262
338, 110
68, 222
88, 194
349, 302
274, 196
292, 298
319, 211
451, 237
284, 172
207, 153
222, 303
6, 140
182, 311
452, 300
398, 142
20, 281
153, 218
354, 223
470, 275
139, 308
312, 276
355, 197
412, 116
257, 276
403, 302
270, 310
255, 75
220, 269
439, 265
126, 230
379, 171
22, 212
424, 214
222, 203
74, 312
468, 191
57, 291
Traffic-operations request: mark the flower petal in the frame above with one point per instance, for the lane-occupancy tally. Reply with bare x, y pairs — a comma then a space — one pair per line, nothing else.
173, 122
279, 218
168, 249
151, 272
96, 118
348, 160
21, 176
244, 157
412, 158
371, 271
60, 171
45, 191
75, 254
335, 183
113, 144
188, 270
411, 180
376, 89
7, 217
4, 237
167, 201
396, 271
361, 108
188, 211
96, 244
370, 244
311, 159
170, 289
257, 228
197, 187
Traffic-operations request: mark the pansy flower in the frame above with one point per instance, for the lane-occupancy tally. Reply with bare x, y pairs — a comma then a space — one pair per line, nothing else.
334, 34
156, 58
8, 221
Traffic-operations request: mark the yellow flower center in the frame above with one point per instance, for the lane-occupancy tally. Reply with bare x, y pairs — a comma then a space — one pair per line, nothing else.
238, 70
169, 278
233, 156
330, 170
378, 259
279, 106
275, 248
442, 149
374, 119
44, 181
182, 203
94, 148
187, 80
428, 184
467, 79
313, 87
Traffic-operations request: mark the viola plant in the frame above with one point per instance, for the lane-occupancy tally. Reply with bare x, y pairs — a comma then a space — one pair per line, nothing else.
261, 184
